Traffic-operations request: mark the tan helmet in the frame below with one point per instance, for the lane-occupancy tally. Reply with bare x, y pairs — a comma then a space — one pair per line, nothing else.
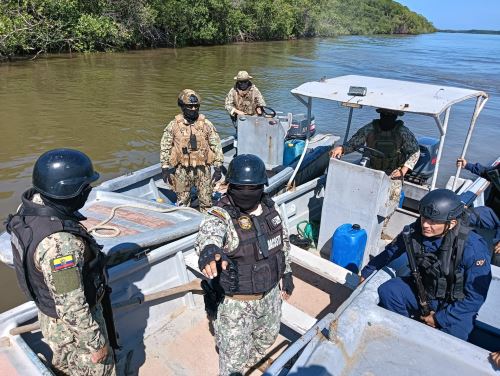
188, 96
243, 76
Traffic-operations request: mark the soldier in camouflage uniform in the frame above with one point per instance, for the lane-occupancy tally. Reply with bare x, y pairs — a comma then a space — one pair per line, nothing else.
244, 98
59, 265
189, 147
244, 249
394, 140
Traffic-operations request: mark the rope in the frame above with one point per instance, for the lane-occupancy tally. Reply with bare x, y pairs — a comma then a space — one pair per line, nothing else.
116, 231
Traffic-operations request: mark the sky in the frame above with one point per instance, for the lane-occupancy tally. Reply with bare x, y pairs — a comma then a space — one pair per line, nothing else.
458, 14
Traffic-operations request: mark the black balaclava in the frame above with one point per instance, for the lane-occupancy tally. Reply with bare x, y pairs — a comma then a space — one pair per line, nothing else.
69, 206
190, 114
243, 85
387, 121
245, 197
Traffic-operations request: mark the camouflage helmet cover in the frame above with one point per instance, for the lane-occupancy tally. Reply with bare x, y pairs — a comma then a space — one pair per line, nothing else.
243, 76
188, 96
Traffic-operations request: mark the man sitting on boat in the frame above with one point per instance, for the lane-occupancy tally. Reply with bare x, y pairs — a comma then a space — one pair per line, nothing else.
244, 248
388, 136
189, 147
60, 266
492, 174
244, 98
453, 263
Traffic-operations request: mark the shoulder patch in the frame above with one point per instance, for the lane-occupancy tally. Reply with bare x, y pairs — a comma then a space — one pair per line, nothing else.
218, 213
480, 262
65, 275
64, 262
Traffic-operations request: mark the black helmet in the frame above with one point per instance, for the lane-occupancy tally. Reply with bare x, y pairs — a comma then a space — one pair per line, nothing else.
246, 169
188, 97
387, 111
63, 173
441, 205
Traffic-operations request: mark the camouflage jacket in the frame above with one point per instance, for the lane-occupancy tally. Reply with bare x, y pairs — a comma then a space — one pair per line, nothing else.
221, 232
246, 103
69, 298
167, 143
409, 149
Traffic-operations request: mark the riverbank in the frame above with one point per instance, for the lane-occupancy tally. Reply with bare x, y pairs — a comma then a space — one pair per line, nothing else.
33, 27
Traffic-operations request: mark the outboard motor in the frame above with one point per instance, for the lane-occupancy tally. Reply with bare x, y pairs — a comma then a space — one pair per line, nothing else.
298, 128
426, 163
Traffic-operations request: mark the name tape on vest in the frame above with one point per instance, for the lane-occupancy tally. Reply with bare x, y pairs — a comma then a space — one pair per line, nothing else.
274, 242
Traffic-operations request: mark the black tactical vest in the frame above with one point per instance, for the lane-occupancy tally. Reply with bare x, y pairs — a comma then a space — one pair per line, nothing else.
441, 274
259, 258
388, 142
28, 227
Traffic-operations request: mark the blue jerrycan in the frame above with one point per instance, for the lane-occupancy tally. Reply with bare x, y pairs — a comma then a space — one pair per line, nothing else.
292, 150
348, 246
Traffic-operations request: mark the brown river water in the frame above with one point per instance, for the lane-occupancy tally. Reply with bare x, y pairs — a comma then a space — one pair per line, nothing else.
114, 106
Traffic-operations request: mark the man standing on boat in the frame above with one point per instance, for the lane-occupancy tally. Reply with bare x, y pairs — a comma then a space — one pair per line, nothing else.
453, 262
189, 147
60, 266
244, 248
244, 98
389, 136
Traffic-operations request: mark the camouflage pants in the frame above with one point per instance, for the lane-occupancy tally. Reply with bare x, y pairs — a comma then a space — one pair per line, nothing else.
245, 330
70, 355
199, 177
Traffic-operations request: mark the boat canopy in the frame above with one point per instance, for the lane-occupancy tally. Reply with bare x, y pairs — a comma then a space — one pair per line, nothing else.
397, 95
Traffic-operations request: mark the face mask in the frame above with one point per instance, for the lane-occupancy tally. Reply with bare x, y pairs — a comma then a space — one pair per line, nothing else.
243, 85
246, 197
387, 121
70, 205
190, 113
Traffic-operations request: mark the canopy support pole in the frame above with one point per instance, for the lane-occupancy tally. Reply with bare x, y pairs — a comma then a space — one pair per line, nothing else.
349, 120
480, 102
442, 129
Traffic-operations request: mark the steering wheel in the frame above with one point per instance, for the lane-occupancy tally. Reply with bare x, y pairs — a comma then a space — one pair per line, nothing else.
370, 151
268, 112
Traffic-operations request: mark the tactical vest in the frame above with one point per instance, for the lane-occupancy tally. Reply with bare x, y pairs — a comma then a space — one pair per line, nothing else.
259, 257
191, 147
441, 273
245, 103
388, 142
493, 199
28, 227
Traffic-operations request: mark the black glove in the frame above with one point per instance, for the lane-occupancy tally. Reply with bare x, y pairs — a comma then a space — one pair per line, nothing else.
287, 283
207, 255
217, 174
165, 175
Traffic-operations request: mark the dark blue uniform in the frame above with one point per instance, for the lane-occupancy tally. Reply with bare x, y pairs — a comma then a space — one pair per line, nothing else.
457, 318
493, 197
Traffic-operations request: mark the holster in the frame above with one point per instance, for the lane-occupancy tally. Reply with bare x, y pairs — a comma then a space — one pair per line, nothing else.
213, 296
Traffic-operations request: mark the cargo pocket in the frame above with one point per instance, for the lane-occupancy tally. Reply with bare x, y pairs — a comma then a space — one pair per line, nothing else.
261, 277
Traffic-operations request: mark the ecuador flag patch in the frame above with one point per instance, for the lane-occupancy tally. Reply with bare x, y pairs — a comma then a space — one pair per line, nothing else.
64, 262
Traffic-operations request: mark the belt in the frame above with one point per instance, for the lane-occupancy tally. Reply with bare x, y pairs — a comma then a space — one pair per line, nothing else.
247, 297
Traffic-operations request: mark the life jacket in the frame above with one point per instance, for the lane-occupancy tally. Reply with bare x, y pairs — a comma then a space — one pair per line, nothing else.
388, 142
441, 271
259, 258
28, 227
191, 147
245, 103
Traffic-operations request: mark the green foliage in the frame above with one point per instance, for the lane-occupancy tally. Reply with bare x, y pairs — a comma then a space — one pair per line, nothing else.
30, 27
